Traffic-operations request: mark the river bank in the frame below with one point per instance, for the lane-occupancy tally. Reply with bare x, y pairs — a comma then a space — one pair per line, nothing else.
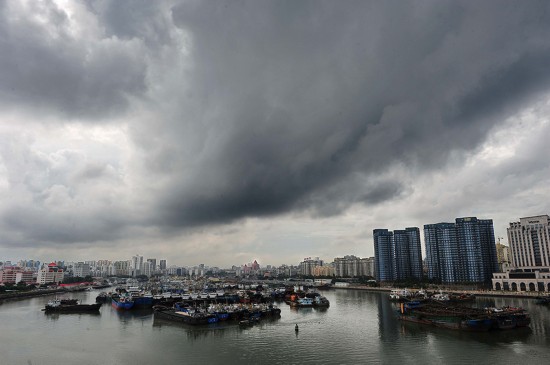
30, 294
486, 293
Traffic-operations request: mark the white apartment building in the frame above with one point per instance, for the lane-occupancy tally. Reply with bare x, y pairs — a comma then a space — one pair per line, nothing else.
530, 256
50, 274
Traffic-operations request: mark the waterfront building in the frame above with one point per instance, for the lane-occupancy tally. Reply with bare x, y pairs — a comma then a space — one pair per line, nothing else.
463, 251
50, 273
442, 256
347, 266
530, 256
384, 255
398, 254
477, 249
408, 254
13, 275
353, 266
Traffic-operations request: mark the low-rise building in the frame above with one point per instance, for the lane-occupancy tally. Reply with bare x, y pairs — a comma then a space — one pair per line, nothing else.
50, 274
14, 275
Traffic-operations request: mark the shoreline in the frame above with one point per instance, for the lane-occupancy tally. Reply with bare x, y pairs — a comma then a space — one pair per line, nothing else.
483, 293
30, 294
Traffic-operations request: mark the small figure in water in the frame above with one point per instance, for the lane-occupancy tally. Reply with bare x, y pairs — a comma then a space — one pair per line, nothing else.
296, 327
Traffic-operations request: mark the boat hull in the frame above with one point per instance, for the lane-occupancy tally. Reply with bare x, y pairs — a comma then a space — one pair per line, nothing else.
119, 305
180, 317
73, 308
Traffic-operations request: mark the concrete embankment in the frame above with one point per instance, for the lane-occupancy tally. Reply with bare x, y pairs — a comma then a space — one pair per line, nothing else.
487, 293
29, 294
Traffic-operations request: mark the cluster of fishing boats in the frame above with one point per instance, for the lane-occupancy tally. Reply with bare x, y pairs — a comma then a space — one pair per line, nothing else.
307, 300
245, 314
458, 317
136, 299
404, 295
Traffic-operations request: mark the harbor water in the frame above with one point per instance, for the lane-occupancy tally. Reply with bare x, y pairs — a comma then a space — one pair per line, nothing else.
360, 327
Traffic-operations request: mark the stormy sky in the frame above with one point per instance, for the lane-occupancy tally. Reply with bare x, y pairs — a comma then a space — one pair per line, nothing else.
219, 132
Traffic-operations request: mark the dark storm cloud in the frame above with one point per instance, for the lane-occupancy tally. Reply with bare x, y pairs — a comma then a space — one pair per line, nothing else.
304, 94
253, 108
47, 68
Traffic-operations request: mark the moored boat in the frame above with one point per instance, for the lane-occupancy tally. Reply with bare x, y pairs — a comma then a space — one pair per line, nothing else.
121, 302
58, 306
302, 303
463, 318
185, 315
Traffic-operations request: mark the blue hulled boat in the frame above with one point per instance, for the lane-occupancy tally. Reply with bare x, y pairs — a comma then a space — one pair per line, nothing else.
121, 302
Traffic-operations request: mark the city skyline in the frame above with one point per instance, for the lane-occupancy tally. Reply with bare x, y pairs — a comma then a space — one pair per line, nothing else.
136, 127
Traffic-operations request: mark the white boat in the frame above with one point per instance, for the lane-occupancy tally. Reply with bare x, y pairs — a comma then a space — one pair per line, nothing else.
441, 297
399, 294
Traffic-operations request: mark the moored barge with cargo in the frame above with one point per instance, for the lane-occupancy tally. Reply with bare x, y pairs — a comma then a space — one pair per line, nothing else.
70, 306
463, 318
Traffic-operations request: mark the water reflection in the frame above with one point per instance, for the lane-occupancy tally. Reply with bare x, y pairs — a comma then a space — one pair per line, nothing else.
55, 316
216, 330
387, 328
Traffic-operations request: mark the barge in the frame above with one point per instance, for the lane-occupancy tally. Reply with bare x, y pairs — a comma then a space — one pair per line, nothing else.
463, 318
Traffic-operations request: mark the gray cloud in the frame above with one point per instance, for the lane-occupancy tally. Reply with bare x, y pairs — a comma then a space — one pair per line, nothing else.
308, 93
48, 67
255, 108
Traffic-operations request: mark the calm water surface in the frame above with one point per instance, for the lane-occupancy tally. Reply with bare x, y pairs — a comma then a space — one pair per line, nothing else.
359, 328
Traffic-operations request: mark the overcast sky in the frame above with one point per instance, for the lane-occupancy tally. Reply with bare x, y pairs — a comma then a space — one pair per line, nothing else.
220, 132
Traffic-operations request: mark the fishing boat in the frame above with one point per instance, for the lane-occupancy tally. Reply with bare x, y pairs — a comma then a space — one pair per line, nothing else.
302, 303
121, 302
509, 317
102, 298
399, 295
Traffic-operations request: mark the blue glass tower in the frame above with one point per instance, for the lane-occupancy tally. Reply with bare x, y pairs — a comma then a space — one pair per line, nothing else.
471, 269
398, 254
415, 253
463, 251
442, 256
402, 262
384, 255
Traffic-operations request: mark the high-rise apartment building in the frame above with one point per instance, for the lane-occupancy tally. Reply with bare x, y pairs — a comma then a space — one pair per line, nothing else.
81, 269
442, 257
384, 255
307, 266
153, 264
136, 265
463, 251
398, 254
